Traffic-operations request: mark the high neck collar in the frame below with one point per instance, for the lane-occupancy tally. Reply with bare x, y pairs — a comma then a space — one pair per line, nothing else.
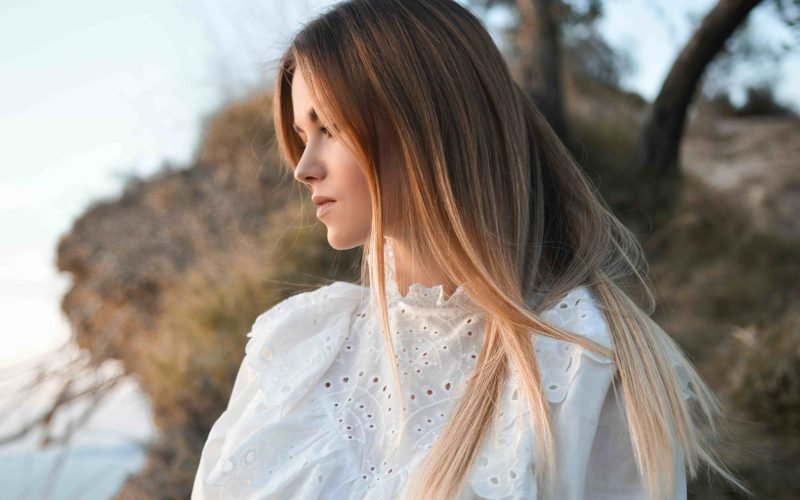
418, 294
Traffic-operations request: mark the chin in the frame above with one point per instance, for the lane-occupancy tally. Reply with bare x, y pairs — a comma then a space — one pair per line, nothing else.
343, 242
338, 243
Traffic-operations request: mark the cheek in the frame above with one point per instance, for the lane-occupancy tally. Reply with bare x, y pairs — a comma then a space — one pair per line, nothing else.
358, 188
350, 225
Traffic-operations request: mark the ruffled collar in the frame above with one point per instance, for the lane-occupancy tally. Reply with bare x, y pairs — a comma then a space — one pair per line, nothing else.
418, 294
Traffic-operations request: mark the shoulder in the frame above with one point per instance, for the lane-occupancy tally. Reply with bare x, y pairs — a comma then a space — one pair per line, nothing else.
288, 324
309, 307
333, 293
574, 381
580, 312
301, 336
560, 362
291, 344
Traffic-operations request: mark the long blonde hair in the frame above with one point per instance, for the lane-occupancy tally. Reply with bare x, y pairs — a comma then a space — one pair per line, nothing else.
523, 224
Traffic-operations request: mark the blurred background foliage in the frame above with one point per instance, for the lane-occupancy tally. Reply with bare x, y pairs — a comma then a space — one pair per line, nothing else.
169, 276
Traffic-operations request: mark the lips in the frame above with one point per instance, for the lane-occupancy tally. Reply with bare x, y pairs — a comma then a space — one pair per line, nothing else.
319, 199
324, 207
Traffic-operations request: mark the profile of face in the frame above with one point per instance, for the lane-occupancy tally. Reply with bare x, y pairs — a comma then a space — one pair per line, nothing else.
329, 169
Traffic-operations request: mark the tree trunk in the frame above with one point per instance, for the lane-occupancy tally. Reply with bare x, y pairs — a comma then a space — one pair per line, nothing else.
539, 65
659, 145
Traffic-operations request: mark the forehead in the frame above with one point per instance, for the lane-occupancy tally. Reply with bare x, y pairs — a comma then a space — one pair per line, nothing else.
300, 97
304, 109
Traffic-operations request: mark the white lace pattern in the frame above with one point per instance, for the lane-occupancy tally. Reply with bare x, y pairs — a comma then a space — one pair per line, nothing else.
313, 411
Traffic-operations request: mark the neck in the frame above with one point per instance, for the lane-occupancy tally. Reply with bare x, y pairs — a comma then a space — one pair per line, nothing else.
409, 270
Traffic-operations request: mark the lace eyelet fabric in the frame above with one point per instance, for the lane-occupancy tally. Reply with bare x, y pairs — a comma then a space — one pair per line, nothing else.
314, 412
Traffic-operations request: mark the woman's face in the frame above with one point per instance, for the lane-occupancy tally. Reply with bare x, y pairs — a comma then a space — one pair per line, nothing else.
330, 169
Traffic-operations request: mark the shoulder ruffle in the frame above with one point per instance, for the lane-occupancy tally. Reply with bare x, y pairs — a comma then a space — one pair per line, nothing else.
578, 385
559, 361
295, 341
505, 460
290, 345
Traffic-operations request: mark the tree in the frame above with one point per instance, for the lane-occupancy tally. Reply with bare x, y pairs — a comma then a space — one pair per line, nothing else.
538, 41
663, 127
548, 36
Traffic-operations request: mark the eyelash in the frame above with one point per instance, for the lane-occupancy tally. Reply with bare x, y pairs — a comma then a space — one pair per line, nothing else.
324, 130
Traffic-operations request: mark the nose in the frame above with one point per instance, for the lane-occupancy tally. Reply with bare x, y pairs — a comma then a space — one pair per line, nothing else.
309, 169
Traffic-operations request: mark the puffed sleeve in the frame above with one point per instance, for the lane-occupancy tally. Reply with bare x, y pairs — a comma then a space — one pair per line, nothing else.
581, 420
611, 472
290, 345
575, 381
595, 458
244, 387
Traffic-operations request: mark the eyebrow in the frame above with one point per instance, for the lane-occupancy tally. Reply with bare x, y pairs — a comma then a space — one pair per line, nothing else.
312, 115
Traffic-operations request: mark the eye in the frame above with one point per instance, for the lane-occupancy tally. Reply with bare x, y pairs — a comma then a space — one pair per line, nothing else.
324, 130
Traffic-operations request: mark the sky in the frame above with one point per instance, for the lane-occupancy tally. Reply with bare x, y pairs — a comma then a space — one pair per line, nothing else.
96, 91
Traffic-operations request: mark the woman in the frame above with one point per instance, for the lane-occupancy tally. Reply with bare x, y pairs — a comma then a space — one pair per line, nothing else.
520, 368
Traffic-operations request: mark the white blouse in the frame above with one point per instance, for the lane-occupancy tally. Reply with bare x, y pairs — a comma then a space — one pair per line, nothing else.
311, 413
